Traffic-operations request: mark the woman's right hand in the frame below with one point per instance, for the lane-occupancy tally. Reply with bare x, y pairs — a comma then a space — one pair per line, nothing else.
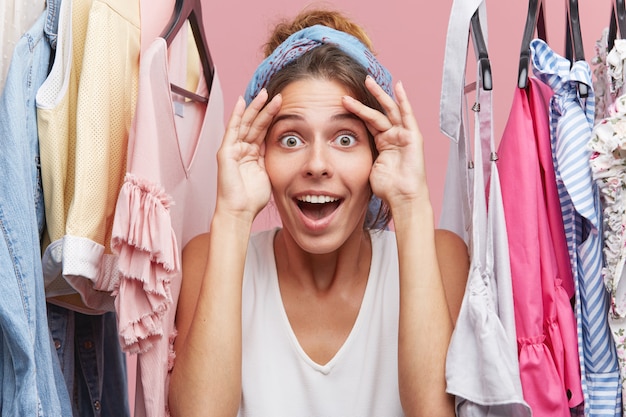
206, 378
243, 187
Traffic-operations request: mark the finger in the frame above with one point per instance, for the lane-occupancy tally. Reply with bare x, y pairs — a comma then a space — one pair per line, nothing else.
231, 133
406, 110
263, 121
251, 113
385, 100
375, 121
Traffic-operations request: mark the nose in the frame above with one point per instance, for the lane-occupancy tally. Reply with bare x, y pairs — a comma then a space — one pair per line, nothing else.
318, 162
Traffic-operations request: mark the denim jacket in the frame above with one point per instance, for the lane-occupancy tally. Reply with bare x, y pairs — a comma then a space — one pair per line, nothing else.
92, 362
31, 383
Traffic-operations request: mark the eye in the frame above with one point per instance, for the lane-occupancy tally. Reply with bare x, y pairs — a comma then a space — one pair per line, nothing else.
290, 141
345, 140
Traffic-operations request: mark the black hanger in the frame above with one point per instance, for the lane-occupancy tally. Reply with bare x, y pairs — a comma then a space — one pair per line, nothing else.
191, 10
535, 19
573, 40
480, 46
618, 22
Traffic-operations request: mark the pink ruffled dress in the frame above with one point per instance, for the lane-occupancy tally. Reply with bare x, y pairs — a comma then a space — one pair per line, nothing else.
168, 197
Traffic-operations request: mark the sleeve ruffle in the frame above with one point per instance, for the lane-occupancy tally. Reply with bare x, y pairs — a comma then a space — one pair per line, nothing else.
148, 260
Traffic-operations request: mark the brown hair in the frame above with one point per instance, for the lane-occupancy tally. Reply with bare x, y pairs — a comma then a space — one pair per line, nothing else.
330, 63
312, 17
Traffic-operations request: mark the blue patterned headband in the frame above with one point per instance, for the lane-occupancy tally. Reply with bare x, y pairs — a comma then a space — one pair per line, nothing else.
309, 38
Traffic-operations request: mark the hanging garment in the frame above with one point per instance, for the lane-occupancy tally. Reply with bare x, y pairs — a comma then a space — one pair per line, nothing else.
84, 112
602, 88
456, 212
615, 68
608, 144
17, 17
93, 365
481, 366
32, 383
546, 329
571, 121
95, 371
168, 198
554, 253
609, 75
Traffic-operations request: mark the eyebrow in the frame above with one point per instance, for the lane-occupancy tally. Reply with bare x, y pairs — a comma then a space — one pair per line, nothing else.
346, 116
339, 116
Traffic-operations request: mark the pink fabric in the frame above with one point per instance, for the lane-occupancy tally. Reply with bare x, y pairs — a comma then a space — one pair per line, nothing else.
148, 260
545, 323
555, 253
168, 198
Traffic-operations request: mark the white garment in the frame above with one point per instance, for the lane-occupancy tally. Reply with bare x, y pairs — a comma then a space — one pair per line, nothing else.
279, 379
482, 369
17, 16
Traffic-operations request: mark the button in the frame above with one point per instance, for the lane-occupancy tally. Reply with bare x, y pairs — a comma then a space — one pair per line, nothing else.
88, 344
57, 344
97, 405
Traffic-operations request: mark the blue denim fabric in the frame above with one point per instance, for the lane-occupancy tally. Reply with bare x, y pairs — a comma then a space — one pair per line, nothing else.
92, 362
30, 380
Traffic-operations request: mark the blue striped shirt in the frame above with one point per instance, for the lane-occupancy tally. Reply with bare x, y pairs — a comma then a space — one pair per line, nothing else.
571, 124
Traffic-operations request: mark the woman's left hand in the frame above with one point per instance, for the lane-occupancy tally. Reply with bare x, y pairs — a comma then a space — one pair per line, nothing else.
398, 175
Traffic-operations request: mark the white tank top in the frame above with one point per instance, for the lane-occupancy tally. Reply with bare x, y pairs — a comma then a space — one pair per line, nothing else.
280, 380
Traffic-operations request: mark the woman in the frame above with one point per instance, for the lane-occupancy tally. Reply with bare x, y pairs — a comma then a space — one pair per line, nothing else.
324, 316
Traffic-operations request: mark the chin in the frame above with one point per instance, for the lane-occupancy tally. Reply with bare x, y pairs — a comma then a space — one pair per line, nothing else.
325, 242
316, 247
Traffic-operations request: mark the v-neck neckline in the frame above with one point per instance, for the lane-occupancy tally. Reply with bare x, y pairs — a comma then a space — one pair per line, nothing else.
186, 158
365, 302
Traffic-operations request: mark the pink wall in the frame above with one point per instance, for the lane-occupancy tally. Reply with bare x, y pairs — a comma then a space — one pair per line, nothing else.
410, 40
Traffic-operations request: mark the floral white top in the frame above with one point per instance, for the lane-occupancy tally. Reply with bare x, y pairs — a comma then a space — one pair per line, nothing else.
601, 83
615, 65
608, 166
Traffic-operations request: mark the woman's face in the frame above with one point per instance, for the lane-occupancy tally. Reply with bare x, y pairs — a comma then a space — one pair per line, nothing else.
318, 159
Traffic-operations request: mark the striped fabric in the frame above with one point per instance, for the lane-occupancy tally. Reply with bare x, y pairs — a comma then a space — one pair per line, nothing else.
608, 144
571, 123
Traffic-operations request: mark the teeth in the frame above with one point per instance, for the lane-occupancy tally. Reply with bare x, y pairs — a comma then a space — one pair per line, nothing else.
317, 199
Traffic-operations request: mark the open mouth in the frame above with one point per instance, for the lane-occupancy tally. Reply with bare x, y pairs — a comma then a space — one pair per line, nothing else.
317, 207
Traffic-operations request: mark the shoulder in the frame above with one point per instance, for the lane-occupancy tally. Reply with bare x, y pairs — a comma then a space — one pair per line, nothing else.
200, 242
197, 243
194, 258
196, 251
448, 242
